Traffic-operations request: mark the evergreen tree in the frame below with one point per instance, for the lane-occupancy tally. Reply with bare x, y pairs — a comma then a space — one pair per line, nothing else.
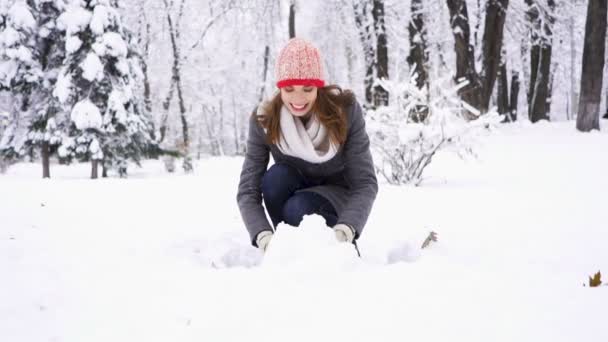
48, 124
19, 72
96, 85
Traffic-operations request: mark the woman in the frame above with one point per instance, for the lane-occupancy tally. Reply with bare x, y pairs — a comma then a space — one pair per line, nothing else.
322, 162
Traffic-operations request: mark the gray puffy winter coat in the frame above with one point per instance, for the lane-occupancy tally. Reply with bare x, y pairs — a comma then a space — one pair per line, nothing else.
350, 182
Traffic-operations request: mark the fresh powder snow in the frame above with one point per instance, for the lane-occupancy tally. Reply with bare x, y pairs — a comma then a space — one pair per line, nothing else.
165, 257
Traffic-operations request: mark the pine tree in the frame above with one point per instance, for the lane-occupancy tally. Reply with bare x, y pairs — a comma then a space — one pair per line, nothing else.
96, 85
19, 72
48, 122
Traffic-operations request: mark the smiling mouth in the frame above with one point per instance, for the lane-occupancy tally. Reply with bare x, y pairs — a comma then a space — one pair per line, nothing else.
296, 107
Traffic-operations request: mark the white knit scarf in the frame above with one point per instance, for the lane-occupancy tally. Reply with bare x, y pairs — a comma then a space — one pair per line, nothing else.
309, 142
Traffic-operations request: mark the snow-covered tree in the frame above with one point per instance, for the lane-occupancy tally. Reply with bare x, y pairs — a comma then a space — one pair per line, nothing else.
96, 85
48, 122
19, 71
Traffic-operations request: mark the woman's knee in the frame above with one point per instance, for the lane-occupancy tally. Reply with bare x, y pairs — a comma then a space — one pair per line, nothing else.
297, 207
279, 179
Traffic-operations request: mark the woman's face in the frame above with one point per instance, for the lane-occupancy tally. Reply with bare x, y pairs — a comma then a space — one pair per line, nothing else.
299, 99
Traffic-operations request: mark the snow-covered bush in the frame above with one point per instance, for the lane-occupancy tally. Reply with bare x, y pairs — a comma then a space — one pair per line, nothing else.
405, 144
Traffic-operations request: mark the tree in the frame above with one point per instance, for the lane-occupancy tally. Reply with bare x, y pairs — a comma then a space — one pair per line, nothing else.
292, 19
418, 57
479, 89
541, 19
19, 72
381, 62
593, 66
365, 29
48, 124
96, 87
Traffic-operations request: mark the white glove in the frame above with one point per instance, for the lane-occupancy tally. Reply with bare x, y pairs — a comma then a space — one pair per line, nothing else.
344, 233
263, 239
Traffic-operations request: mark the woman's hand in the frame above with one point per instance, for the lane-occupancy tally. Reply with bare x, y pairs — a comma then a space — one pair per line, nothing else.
344, 233
263, 239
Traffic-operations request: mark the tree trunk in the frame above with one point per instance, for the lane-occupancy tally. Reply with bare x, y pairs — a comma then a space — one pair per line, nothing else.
502, 91
365, 35
496, 13
540, 60
174, 33
45, 154
265, 73
465, 56
593, 67
573, 97
418, 58
94, 163
380, 94
164, 121
514, 96
292, 19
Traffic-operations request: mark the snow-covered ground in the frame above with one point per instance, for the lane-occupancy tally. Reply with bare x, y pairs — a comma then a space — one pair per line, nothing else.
165, 257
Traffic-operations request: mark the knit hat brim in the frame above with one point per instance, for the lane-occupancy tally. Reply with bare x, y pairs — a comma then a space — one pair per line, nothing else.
303, 82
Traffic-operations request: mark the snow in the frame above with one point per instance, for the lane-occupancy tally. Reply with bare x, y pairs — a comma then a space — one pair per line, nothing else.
72, 44
9, 37
86, 115
112, 44
165, 257
116, 104
21, 16
100, 19
21, 53
63, 86
92, 67
74, 20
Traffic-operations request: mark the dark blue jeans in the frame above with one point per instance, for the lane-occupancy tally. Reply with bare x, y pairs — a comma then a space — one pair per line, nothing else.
279, 186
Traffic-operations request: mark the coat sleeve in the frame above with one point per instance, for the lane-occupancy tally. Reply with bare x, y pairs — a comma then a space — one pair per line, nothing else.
249, 195
359, 173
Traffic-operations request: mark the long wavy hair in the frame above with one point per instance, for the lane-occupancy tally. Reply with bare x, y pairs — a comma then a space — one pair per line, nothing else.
330, 108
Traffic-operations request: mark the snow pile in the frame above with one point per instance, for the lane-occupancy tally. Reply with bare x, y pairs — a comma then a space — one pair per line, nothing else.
310, 247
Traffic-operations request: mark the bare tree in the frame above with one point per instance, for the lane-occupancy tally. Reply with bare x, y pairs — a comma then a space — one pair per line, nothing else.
593, 66
479, 89
380, 96
292, 19
418, 57
541, 19
362, 22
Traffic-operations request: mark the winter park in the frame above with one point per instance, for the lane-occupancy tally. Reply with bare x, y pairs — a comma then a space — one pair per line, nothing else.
290, 170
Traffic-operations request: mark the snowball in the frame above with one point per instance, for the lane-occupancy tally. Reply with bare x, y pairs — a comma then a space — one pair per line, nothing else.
92, 68
74, 20
72, 44
86, 115
21, 16
310, 247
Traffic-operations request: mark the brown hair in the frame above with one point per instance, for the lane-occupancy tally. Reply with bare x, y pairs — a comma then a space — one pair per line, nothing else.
330, 108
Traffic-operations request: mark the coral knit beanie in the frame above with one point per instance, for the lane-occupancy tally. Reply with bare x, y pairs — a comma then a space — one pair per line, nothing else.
299, 63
